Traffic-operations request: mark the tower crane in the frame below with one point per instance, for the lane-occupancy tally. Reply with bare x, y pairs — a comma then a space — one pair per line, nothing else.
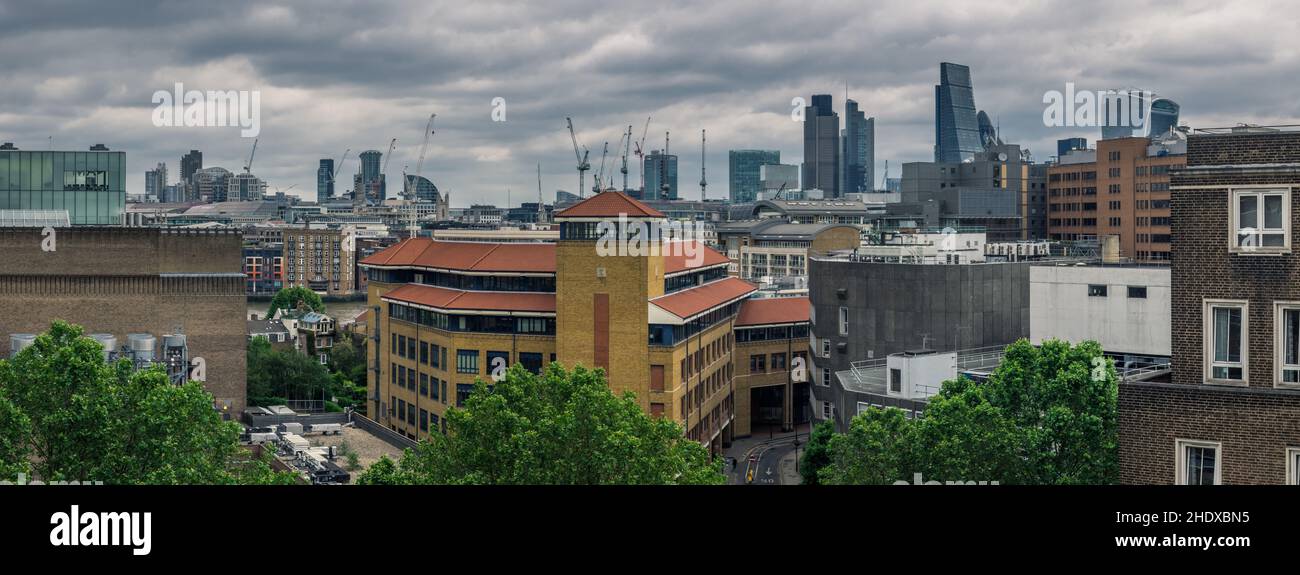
249, 166
600, 174
640, 149
412, 188
583, 165
703, 182
664, 188
627, 143
339, 166
383, 178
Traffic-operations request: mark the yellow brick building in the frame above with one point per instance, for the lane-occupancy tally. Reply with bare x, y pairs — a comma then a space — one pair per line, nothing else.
661, 324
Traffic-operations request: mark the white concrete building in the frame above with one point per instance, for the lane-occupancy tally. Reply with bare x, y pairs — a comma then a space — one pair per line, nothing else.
1125, 308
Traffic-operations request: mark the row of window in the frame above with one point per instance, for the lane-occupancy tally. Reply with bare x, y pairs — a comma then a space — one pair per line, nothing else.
1134, 292
1227, 358
1201, 463
405, 413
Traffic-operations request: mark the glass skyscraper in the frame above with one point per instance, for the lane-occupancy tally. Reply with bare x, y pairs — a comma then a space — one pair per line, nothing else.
956, 129
743, 172
859, 150
660, 176
91, 186
371, 180
821, 147
325, 180
1164, 115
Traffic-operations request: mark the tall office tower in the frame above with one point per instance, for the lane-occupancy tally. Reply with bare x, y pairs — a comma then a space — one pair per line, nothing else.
372, 182
989, 137
744, 172
857, 150
325, 180
821, 147
1066, 145
155, 181
190, 163
1164, 115
956, 128
869, 154
660, 176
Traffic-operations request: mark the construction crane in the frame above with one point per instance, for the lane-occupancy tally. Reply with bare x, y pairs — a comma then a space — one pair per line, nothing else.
600, 174
583, 166
339, 166
640, 149
627, 143
541, 209
703, 182
664, 188
384, 170
412, 189
249, 166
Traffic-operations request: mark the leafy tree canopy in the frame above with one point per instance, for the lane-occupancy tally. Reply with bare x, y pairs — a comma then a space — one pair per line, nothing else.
289, 298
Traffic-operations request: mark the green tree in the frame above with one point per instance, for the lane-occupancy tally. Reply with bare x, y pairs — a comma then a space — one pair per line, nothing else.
15, 446
1047, 415
818, 453
276, 375
289, 298
559, 427
86, 420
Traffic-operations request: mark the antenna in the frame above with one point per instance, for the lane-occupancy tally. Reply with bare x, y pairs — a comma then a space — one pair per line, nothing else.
541, 209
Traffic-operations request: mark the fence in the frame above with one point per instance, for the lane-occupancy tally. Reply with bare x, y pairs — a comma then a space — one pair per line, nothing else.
389, 436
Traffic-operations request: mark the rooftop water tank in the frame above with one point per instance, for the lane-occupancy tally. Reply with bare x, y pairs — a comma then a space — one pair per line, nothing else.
141, 345
19, 342
107, 340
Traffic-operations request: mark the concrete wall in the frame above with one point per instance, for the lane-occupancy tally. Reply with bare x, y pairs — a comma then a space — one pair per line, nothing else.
1060, 307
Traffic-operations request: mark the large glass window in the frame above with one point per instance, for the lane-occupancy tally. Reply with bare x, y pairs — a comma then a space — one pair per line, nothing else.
1287, 343
467, 361
1224, 334
1198, 463
1261, 221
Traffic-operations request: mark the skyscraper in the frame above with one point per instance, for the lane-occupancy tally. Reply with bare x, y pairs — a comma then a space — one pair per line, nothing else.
372, 182
1064, 146
325, 180
956, 129
155, 181
743, 172
660, 176
821, 147
858, 150
1164, 115
190, 163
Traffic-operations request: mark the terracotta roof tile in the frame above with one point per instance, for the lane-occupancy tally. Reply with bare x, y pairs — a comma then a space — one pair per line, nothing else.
768, 311
468, 256
675, 259
689, 302
609, 205
450, 299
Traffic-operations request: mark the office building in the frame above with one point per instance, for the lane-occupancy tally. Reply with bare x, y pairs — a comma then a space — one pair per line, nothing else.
1164, 117
777, 248
1119, 189
858, 154
744, 172
1230, 412
191, 163
155, 182
325, 180
660, 176
244, 187
263, 268
821, 147
1000, 190
210, 184
661, 325
90, 185
1067, 145
369, 182
127, 281
774, 178
1124, 308
956, 126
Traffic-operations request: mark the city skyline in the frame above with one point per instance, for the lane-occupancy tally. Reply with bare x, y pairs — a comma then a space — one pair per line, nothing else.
352, 77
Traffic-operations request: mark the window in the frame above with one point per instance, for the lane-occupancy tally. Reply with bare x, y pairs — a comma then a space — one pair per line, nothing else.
424, 353
531, 361
826, 347
463, 391
467, 361
1137, 292
1096, 290
401, 409
827, 410
1293, 466
498, 360
1198, 462
1261, 221
826, 377
1286, 317
895, 380
424, 420
1226, 323
844, 320
778, 362
424, 384
757, 363
401, 346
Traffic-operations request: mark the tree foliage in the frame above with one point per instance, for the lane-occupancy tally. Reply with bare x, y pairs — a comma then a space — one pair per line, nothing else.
81, 419
276, 375
559, 427
1047, 415
289, 298
818, 453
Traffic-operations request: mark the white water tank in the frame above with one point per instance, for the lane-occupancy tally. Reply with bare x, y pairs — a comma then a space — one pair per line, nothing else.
107, 340
19, 342
141, 345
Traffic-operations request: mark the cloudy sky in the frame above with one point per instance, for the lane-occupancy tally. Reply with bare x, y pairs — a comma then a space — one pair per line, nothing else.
335, 74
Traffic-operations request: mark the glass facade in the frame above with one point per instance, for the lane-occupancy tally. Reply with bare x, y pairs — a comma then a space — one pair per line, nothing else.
744, 172
956, 128
660, 176
91, 186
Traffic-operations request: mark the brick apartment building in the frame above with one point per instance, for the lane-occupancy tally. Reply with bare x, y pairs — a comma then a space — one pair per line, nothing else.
121, 281
1231, 412
1122, 189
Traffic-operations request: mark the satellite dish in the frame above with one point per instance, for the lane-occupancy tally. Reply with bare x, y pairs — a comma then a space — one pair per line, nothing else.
1002, 156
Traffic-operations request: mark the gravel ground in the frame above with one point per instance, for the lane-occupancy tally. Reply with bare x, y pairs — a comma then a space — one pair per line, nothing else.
367, 447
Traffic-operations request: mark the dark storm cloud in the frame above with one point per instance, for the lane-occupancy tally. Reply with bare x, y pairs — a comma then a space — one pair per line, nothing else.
339, 74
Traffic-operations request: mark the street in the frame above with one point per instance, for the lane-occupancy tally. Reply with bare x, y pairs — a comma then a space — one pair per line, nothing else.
760, 460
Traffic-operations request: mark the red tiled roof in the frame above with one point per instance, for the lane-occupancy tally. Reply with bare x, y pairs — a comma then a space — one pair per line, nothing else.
675, 259
689, 302
468, 256
451, 299
774, 310
609, 205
